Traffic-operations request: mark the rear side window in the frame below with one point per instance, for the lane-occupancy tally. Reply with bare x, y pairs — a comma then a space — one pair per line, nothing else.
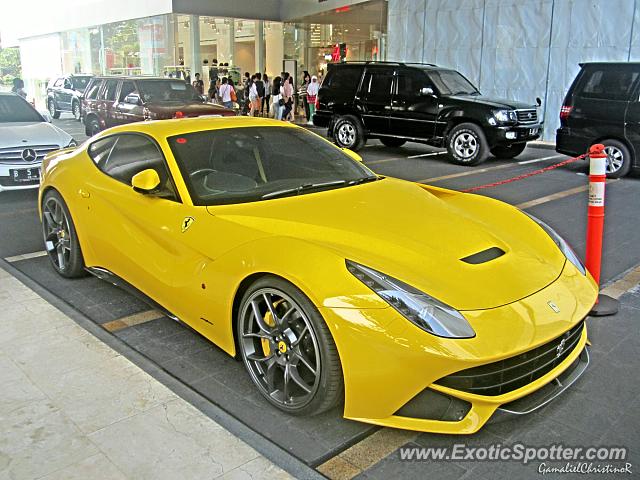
127, 88
609, 83
377, 83
345, 79
92, 94
109, 91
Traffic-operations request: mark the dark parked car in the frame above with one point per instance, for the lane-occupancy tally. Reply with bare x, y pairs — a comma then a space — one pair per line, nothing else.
602, 106
397, 102
64, 94
110, 101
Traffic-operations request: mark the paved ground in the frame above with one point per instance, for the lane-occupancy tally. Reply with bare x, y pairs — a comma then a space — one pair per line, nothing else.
600, 410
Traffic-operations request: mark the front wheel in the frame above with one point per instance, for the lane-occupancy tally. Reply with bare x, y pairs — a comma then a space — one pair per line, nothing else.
92, 126
393, 142
349, 133
467, 144
55, 113
618, 158
508, 151
60, 237
287, 348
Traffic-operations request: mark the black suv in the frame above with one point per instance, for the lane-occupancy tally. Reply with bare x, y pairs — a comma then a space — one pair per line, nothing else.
64, 94
602, 106
397, 102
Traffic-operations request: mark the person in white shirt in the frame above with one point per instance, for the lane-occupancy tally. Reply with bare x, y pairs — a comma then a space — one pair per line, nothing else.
312, 93
225, 93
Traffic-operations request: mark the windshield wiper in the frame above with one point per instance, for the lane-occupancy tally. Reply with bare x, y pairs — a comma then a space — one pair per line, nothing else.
370, 178
303, 188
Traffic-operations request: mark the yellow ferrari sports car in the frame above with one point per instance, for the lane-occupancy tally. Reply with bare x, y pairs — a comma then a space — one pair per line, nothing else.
410, 306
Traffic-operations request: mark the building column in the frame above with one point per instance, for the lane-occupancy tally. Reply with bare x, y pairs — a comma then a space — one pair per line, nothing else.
194, 46
232, 42
259, 46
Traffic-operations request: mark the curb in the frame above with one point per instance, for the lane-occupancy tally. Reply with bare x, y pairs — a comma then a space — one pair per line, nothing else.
542, 145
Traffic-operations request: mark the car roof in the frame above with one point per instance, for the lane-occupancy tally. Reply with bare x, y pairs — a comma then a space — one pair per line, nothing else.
169, 128
136, 77
582, 64
424, 66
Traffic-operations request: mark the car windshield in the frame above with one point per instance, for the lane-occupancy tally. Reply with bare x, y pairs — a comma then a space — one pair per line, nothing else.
247, 164
80, 83
16, 109
167, 91
450, 82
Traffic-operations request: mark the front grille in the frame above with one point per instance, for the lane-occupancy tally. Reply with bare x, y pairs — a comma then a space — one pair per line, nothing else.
527, 116
515, 372
14, 154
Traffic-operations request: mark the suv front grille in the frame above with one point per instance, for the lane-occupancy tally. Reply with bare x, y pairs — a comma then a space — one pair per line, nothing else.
527, 116
14, 154
515, 372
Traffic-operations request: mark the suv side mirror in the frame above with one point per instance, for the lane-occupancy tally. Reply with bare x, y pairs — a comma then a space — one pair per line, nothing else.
67, 85
145, 181
132, 99
427, 91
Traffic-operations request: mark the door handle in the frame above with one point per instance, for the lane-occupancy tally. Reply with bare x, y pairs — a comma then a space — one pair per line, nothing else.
84, 193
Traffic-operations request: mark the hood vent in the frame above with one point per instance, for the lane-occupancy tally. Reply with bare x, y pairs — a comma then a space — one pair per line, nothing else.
484, 256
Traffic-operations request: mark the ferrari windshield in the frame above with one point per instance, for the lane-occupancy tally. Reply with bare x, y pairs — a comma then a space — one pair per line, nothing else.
249, 164
15, 109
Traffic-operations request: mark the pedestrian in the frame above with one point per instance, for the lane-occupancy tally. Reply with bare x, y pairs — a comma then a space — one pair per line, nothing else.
234, 96
266, 100
260, 91
246, 85
253, 96
276, 98
198, 85
18, 87
306, 81
312, 93
225, 93
288, 114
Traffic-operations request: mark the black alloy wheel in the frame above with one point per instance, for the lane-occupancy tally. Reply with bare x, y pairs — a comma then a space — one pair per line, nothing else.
60, 238
288, 349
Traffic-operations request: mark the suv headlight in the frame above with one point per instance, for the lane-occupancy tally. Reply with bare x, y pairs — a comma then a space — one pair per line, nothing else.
564, 247
505, 116
424, 311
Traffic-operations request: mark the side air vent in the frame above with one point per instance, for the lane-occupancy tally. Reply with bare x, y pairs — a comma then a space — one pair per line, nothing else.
484, 256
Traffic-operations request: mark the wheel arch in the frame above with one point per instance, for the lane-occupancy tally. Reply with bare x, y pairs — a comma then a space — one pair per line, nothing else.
623, 140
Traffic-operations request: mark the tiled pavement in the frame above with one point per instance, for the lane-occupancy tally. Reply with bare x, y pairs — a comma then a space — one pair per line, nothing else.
73, 408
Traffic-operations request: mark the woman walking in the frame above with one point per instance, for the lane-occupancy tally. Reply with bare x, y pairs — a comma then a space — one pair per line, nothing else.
312, 93
276, 96
267, 94
306, 80
287, 94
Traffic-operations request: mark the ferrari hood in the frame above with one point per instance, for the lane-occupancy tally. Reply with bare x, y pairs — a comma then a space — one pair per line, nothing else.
468, 251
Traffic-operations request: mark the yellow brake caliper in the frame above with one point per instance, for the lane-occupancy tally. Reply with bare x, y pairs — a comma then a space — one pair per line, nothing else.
269, 320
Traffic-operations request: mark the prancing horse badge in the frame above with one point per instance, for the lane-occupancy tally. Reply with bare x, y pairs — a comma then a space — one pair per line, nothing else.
186, 223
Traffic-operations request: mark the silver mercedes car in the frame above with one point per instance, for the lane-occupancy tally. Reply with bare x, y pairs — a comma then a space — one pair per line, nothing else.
25, 138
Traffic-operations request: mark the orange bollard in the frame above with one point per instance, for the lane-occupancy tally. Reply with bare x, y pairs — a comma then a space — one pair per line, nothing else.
605, 305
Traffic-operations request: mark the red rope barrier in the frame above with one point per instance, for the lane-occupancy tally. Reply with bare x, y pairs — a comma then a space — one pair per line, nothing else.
525, 175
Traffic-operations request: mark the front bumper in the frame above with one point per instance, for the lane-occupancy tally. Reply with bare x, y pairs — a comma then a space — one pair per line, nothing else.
388, 362
8, 182
506, 135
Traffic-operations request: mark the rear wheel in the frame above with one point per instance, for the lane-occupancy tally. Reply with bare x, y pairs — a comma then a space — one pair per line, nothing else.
287, 348
467, 144
349, 133
51, 104
60, 238
508, 151
618, 158
393, 142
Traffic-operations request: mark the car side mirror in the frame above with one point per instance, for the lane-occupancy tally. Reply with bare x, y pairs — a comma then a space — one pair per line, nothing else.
352, 154
427, 92
145, 181
67, 86
538, 101
132, 99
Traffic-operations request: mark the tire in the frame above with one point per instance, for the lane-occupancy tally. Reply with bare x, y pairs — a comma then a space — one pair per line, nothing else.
619, 158
349, 133
60, 237
299, 342
393, 142
92, 126
467, 144
51, 105
75, 110
508, 151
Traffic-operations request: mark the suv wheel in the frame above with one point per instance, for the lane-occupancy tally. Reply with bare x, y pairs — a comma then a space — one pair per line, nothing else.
92, 126
508, 151
75, 109
393, 142
55, 113
348, 133
467, 144
618, 158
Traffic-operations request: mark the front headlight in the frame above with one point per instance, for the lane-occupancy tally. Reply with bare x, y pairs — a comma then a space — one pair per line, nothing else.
505, 116
424, 311
564, 247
